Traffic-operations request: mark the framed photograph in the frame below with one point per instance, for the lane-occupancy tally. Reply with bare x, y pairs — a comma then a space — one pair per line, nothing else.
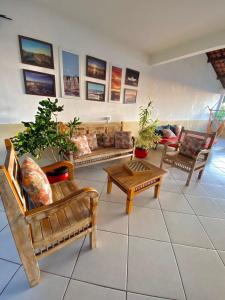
70, 74
131, 77
37, 83
130, 96
95, 67
36, 53
95, 91
115, 84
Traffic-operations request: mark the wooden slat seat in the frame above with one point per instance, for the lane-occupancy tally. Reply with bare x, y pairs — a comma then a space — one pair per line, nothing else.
43, 230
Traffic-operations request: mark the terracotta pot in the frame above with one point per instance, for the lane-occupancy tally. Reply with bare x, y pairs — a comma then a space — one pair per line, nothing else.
57, 175
141, 153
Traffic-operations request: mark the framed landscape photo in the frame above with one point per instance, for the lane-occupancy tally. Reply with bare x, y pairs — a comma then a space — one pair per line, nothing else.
70, 74
130, 96
95, 91
95, 67
37, 83
115, 84
131, 77
36, 53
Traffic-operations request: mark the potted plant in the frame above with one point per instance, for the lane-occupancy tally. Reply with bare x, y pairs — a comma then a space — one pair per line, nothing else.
147, 136
44, 133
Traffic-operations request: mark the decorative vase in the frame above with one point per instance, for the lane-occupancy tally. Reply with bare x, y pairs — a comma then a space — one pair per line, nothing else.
57, 175
140, 153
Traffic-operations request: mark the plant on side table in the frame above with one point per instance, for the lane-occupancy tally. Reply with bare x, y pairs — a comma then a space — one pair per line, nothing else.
147, 137
44, 133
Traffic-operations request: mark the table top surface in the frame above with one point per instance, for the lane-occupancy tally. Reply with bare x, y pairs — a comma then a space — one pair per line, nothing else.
120, 174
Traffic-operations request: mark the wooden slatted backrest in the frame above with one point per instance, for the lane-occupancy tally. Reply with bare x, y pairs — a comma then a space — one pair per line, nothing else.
86, 128
209, 138
11, 175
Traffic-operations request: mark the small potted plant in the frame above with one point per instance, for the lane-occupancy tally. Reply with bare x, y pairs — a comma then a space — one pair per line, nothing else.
44, 133
147, 137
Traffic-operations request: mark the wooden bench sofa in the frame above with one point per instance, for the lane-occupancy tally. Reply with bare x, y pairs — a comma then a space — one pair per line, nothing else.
101, 154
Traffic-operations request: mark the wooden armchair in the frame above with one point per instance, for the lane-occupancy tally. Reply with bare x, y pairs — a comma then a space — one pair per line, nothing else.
186, 163
41, 231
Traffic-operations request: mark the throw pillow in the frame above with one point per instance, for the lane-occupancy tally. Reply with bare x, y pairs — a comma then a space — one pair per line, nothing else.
167, 133
108, 139
123, 140
173, 128
82, 145
92, 141
35, 183
191, 146
99, 139
178, 129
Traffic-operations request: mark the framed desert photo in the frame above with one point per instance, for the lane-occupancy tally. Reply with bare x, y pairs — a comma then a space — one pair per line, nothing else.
70, 74
36, 53
131, 77
95, 91
95, 67
37, 83
130, 96
115, 84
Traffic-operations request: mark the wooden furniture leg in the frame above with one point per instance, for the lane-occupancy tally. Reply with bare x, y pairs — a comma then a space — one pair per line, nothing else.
157, 190
200, 174
129, 204
109, 185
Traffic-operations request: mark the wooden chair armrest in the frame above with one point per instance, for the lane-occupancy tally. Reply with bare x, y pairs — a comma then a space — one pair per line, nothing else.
45, 211
133, 140
64, 163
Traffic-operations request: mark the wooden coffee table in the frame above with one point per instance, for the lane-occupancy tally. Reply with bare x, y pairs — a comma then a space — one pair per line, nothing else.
132, 185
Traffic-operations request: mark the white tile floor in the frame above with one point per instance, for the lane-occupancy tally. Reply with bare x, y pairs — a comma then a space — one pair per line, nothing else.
168, 248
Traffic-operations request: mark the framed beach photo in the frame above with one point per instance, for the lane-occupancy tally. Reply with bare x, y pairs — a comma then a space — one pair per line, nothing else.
130, 96
131, 77
95, 67
115, 84
95, 91
35, 52
37, 83
70, 74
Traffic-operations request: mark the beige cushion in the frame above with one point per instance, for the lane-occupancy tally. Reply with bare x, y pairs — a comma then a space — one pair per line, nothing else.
92, 141
167, 133
82, 145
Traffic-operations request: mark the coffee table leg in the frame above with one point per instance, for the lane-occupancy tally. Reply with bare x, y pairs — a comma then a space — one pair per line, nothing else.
157, 190
109, 185
129, 204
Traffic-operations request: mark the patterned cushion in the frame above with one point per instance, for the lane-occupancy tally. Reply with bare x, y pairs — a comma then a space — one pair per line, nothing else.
92, 141
167, 133
35, 183
108, 139
123, 140
191, 146
99, 139
178, 129
82, 145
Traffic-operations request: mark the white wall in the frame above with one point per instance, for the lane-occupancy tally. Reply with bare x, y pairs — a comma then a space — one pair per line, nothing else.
180, 90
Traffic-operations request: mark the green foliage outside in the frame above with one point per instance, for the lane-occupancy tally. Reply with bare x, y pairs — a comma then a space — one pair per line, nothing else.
44, 132
147, 137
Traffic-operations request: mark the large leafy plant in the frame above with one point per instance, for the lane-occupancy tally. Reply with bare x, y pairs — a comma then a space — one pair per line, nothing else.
44, 132
147, 137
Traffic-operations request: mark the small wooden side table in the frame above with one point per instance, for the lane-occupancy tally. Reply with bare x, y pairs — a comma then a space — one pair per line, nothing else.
132, 185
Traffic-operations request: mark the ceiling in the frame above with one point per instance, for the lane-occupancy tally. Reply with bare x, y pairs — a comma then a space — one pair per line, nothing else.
149, 26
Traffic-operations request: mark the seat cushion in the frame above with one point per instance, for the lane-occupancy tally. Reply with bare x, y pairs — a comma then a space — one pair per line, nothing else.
123, 140
35, 183
168, 133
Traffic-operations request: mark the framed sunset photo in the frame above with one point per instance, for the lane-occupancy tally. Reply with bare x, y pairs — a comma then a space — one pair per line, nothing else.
115, 85
130, 96
132, 77
95, 67
95, 91
35, 52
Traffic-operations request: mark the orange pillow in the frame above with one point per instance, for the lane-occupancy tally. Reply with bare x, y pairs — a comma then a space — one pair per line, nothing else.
35, 183
82, 145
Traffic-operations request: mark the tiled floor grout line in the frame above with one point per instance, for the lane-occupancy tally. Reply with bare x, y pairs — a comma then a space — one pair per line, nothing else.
9, 280
10, 261
128, 244
73, 268
217, 251
174, 252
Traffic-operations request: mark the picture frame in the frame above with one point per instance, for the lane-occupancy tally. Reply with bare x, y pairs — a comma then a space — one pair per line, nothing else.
95, 91
36, 52
38, 83
132, 77
130, 96
96, 68
115, 84
70, 74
